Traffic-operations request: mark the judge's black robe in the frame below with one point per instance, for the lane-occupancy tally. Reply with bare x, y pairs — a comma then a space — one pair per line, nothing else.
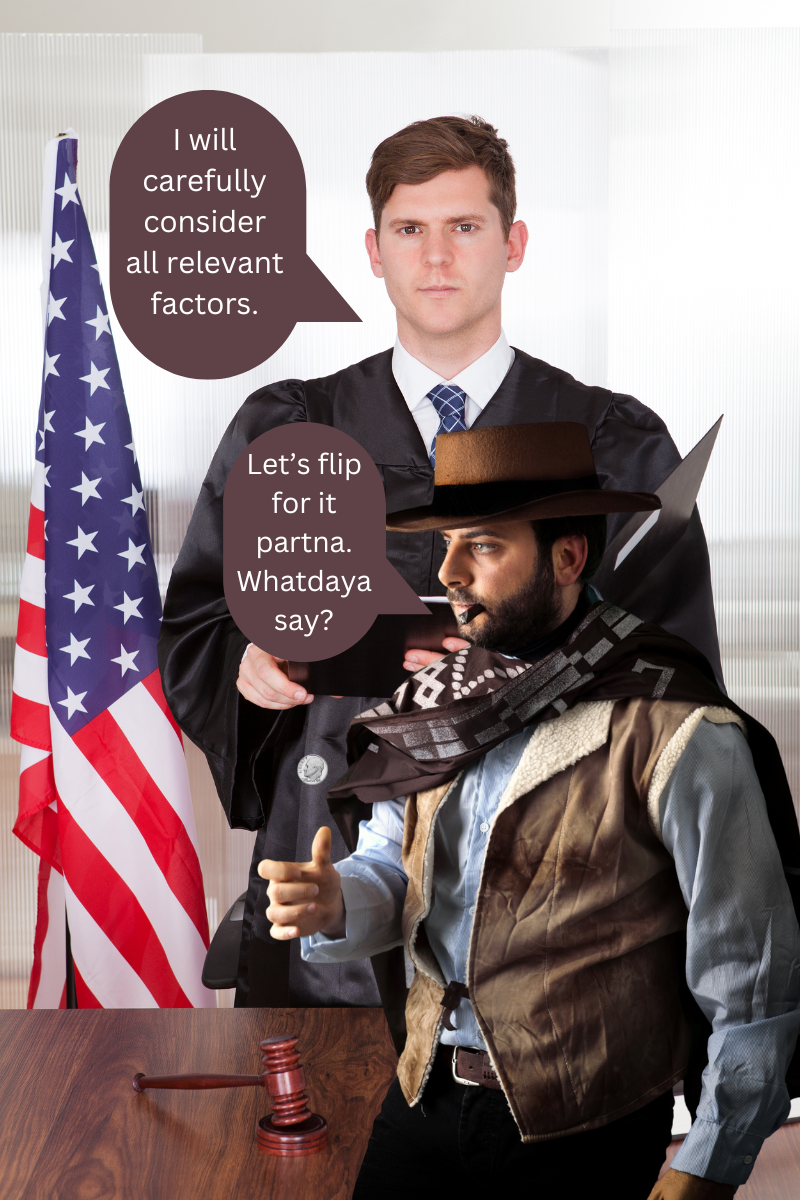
252, 752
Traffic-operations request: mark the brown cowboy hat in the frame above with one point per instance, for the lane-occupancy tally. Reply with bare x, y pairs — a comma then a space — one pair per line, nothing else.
516, 473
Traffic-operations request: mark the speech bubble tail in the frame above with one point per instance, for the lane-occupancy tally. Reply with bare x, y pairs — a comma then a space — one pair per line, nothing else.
394, 595
321, 301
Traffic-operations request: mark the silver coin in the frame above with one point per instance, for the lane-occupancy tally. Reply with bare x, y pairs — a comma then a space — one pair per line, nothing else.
312, 769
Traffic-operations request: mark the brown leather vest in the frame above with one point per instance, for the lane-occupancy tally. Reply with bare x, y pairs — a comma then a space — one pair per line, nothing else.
576, 957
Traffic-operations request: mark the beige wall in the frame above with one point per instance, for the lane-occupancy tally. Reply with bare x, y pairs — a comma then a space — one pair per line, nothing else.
317, 25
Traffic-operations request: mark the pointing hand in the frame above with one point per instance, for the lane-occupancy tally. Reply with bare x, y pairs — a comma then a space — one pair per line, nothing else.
305, 898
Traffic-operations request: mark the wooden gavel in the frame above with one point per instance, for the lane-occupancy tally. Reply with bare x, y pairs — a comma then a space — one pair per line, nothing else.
290, 1129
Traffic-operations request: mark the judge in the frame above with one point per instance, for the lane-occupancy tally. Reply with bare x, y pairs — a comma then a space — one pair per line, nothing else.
445, 237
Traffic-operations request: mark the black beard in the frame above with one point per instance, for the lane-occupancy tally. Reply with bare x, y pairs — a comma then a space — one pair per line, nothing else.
520, 619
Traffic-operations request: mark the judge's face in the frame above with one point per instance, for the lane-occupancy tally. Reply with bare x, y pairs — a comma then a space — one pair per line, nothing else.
525, 592
443, 254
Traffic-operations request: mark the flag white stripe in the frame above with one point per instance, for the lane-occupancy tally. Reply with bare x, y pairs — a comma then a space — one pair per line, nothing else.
31, 586
116, 836
37, 488
53, 951
30, 675
31, 755
153, 740
109, 976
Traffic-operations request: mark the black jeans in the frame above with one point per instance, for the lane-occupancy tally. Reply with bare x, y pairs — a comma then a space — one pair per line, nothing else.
463, 1142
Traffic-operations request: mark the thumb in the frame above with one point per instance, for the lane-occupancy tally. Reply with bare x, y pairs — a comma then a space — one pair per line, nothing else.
321, 847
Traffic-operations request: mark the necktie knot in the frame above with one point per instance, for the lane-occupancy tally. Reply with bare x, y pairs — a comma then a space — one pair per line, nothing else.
449, 402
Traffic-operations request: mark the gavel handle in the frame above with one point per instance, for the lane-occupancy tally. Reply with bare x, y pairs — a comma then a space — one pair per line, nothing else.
193, 1082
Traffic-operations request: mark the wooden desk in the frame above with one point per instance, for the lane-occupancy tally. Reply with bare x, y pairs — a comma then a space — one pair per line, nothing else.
72, 1128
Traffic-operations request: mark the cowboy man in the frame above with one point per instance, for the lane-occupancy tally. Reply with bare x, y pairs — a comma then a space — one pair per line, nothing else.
569, 835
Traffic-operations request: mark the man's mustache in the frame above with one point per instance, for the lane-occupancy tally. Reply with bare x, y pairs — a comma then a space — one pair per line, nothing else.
476, 607
464, 597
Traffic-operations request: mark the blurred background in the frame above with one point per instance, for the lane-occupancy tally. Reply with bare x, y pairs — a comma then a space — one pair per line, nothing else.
658, 170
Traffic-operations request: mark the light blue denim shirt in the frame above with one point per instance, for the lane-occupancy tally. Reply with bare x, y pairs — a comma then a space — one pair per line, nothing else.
743, 943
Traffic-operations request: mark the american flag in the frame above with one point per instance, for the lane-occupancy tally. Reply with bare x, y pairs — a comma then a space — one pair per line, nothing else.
104, 792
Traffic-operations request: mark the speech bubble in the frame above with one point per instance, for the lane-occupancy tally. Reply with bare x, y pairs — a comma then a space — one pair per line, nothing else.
304, 544
209, 271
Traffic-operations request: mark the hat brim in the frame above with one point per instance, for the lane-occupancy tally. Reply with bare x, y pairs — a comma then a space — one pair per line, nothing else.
581, 503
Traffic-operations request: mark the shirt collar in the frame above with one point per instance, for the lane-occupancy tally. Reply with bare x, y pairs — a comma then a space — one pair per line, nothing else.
480, 380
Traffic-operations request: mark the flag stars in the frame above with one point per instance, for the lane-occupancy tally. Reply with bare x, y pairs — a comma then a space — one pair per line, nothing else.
107, 473
91, 433
100, 323
130, 446
47, 428
60, 251
84, 542
46, 471
134, 554
127, 523
135, 500
76, 650
96, 379
129, 608
68, 193
50, 360
87, 489
73, 702
80, 595
125, 659
53, 311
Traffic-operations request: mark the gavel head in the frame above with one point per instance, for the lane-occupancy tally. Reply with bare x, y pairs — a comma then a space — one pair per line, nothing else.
285, 1080
290, 1129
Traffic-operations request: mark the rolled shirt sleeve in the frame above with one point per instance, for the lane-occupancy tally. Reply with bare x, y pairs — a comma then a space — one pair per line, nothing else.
373, 889
743, 949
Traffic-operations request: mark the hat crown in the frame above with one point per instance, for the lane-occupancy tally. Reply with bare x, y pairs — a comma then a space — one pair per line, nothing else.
513, 453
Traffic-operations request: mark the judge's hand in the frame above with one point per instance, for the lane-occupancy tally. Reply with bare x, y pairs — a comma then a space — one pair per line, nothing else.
305, 898
416, 659
678, 1185
263, 681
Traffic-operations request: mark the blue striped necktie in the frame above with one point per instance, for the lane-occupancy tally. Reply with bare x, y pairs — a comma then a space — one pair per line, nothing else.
449, 403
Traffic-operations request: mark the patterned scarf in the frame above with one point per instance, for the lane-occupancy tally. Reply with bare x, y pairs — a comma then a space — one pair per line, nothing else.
450, 713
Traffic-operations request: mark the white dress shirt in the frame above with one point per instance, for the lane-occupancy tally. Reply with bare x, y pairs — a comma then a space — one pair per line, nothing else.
480, 380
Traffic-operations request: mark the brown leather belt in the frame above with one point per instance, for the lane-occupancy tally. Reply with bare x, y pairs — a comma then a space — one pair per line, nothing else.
473, 1067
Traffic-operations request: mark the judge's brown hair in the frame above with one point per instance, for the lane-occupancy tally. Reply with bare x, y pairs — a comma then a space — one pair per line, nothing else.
425, 149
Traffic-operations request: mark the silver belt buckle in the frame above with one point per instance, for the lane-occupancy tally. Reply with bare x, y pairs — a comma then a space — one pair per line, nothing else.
458, 1078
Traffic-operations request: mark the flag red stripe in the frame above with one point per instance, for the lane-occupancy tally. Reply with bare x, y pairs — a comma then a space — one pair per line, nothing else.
40, 834
30, 722
153, 684
42, 921
104, 744
83, 994
37, 827
36, 532
37, 789
31, 634
114, 907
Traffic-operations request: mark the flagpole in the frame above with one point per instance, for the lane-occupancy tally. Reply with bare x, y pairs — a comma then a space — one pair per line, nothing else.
71, 994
